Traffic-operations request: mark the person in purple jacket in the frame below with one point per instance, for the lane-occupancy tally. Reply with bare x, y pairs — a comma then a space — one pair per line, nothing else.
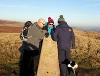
65, 38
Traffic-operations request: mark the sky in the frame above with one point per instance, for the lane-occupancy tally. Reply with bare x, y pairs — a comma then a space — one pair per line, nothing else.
75, 12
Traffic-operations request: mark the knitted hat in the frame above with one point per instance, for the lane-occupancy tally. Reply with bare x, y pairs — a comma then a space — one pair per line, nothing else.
61, 19
50, 20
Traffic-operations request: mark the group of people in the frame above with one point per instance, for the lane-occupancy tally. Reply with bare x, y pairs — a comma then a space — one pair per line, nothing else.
32, 35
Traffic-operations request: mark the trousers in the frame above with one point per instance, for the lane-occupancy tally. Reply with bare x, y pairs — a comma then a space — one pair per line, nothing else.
62, 55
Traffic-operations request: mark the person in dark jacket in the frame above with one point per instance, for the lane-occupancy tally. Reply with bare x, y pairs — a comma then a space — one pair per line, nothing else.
61, 19
30, 49
65, 38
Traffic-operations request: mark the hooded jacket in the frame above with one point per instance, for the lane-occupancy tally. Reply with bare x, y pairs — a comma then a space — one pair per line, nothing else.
64, 36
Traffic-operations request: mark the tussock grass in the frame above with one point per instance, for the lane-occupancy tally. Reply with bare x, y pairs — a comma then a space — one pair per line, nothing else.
86, 54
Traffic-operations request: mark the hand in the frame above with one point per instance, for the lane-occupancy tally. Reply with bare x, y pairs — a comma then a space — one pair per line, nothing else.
73, 48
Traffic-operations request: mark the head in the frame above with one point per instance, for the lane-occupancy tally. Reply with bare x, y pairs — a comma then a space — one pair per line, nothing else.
41, 23
61, 19
50, 21
27, 24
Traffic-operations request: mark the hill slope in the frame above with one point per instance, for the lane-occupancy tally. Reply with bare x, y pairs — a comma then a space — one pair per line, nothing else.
10, 23
10, 26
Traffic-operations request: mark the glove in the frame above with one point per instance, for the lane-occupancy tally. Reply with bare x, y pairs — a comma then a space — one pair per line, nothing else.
46, 35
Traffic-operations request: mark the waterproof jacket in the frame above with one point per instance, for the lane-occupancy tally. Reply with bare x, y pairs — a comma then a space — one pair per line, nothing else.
35, 36
64, 36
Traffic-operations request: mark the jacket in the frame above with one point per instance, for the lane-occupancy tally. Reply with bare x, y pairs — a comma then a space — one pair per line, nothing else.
64, 36
34, 37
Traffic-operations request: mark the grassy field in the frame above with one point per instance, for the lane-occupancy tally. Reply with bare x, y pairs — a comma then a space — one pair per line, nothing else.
86, 54
9, 54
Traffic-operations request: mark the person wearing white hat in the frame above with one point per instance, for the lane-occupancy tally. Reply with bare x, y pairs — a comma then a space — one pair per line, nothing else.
31, 48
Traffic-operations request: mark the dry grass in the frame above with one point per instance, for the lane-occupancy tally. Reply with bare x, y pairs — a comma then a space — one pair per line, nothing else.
87, 52
10, 29
9, 54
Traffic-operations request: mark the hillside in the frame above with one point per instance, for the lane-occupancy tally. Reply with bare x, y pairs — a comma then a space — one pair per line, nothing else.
10, 26
86, 54
10, 23
9, 29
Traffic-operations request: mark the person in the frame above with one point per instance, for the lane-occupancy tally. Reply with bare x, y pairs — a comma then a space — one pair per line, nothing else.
65, 38
50, 25
31, 47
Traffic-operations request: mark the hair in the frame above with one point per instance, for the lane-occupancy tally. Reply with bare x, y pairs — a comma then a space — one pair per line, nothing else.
27, 24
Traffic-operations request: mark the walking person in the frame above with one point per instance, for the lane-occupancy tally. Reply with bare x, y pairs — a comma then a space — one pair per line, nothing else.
65, 38
30, 49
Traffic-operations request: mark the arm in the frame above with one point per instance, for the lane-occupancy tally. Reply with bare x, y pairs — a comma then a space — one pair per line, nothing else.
54, 34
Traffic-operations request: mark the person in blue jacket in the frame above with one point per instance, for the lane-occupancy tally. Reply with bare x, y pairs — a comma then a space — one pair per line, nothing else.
50, 25
65, 38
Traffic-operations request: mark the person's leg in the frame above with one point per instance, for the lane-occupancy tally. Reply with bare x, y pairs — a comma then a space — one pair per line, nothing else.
68, 54
21, 66
36, 63
31, 66
62, 56
26, 64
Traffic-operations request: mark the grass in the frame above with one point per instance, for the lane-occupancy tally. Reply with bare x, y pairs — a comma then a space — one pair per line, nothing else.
86, 54
9, 54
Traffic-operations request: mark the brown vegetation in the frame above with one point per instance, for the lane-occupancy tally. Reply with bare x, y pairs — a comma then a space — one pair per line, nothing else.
9, 29
10, 23
10, 26
86, 54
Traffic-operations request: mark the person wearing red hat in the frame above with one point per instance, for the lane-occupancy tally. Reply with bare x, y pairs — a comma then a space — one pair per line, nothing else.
50, 25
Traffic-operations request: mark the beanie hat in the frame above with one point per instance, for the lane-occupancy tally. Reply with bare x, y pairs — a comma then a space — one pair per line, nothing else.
50, 20
61, 19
